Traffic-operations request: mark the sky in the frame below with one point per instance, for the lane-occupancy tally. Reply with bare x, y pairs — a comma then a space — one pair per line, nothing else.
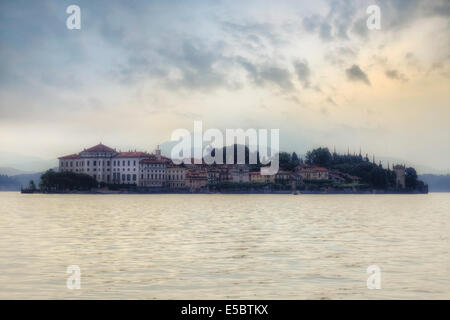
138, 70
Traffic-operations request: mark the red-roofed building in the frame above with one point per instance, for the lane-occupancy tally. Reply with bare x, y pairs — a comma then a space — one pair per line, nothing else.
314, 173
196, 179
126, 167
153, 172
176, 175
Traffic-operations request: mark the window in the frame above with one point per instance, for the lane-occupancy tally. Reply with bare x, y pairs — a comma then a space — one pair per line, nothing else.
128, 162
88, 163
128, 177
134, 177
134, 162
95, 163
123, 177
123, 162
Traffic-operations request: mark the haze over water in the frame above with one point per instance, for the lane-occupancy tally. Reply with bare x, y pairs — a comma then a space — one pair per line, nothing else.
224, 246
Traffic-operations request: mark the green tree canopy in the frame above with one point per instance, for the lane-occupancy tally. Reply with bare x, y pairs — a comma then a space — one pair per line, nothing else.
319, 157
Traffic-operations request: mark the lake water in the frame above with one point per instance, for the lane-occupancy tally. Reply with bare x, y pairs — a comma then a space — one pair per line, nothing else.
224, 246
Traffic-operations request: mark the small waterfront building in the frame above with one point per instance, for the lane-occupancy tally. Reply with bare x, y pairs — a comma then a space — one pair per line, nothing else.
313, 173
239, 173
283, 177
196, 179
176, 176
126, 167
213, 175
256, 177
153, 172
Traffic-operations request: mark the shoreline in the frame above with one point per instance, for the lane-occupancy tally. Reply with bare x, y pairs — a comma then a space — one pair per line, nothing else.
108, 192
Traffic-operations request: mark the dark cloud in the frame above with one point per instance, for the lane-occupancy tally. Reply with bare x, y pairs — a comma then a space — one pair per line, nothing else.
334, 25
325, 31
354, 73
198, 66
311, 23
360, 27
303, 72
394, 74
278, 76
262, 74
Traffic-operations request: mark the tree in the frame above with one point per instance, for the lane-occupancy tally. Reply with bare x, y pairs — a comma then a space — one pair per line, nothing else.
61, 181
31, 185
319, 157
411, 181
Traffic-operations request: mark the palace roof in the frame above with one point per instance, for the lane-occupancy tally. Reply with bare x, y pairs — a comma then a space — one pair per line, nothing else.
100, 148
153, 160
135, 154
70, 156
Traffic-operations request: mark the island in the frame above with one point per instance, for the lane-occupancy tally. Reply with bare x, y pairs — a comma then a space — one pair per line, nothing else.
103, 170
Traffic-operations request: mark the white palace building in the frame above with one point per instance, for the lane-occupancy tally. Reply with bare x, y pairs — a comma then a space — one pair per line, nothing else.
110, 166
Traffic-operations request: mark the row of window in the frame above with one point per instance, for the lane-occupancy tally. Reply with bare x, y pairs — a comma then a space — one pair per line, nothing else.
128, 162
151, 176
81, 163
125, 177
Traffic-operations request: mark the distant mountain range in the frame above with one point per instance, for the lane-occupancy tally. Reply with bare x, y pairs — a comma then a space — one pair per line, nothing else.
12, 163
12, 171
436, 183
14, 183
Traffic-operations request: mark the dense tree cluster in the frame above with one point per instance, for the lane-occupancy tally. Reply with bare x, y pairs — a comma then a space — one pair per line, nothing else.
359, 166
62, 181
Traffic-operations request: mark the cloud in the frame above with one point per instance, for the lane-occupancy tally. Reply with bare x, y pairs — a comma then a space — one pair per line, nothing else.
331, 101
345, 18
303, 72
340, 55
354, 73
263, 74
325, 31
394, 74
335, 24
278, 76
